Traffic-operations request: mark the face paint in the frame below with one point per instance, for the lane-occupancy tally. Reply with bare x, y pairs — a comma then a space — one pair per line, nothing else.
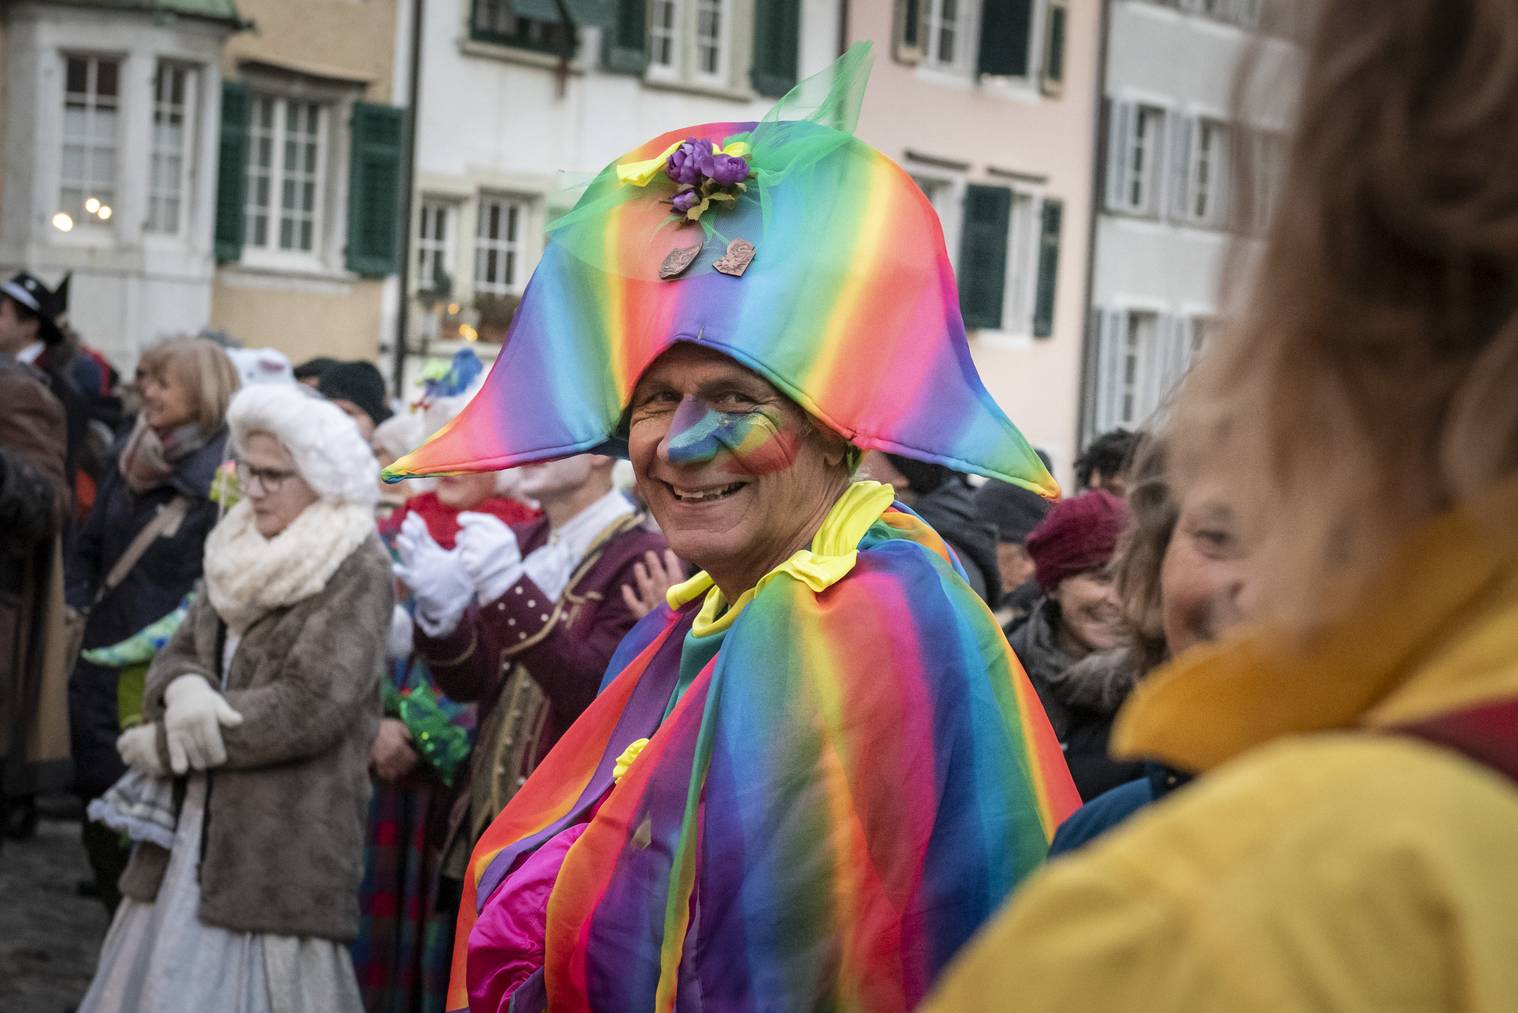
759, 444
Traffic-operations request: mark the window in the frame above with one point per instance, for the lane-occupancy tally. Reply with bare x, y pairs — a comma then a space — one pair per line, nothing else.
1022, 264
1204, 191
286, 166
944, 29
434, 260
711, 39
498, 247
172, 145
664, 17
1136, 145
91, 103
1140, 357
495, 21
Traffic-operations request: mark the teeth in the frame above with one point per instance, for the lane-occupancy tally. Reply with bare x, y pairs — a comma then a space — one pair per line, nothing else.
703, 497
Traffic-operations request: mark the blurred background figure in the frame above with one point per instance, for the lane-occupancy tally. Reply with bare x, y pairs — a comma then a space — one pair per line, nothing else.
1351, 839
266, 697
400, 434
34, 748
261, 365
310, 372
359, 390
1070, 643
1013, 512
1102, 465
420, 754
523, 621
1182, 579
942, 497
139, 553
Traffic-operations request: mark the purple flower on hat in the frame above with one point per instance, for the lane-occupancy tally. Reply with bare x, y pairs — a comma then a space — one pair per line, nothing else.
727, 169
683, 166
685, 200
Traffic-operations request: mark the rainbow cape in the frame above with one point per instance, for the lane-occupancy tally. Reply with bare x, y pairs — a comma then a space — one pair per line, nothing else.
849, 306
847, 771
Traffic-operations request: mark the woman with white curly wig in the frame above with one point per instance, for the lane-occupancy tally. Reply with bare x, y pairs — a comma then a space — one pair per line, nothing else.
258, 718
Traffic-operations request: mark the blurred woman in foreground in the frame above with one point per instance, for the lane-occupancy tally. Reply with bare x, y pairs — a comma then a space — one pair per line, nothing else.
1352, 841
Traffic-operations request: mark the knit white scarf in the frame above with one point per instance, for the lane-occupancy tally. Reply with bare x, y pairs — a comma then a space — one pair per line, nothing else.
248, 575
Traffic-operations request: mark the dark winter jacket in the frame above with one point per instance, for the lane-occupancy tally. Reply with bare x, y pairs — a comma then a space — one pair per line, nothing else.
161, 578
32, 498
283, 850
1080, 698
950, 511
1113, 807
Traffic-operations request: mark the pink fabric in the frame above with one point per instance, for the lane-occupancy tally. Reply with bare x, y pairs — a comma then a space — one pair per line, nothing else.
507, 944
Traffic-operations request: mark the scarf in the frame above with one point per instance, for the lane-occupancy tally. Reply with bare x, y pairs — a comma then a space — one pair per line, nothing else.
148, 459
248, 575
846, 774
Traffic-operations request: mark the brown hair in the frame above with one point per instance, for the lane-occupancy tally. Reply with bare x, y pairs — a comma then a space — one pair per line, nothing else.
1369, 381
1152, 514
204, 369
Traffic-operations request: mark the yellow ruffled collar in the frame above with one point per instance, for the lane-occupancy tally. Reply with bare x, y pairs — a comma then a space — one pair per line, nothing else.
832, 554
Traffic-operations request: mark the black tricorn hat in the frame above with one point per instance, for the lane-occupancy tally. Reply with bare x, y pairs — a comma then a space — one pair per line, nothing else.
50, 306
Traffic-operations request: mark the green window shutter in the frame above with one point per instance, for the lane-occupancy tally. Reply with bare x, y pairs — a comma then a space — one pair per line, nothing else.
625, 50
375, 187
777, 37
1048, 267
231, 171
983, 255
1006, 27
1054, 58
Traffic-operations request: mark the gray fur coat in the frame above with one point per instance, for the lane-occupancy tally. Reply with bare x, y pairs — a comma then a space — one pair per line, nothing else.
283, 850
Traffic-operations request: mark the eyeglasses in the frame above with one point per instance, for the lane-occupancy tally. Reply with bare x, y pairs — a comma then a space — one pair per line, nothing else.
268, 479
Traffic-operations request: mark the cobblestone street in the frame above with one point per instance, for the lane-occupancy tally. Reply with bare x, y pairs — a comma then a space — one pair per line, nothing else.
49, 935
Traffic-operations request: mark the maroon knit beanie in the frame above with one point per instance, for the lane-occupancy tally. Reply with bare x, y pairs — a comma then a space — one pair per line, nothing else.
1077, 535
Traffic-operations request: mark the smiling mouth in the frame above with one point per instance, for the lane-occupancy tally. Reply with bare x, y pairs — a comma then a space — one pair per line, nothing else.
704, 495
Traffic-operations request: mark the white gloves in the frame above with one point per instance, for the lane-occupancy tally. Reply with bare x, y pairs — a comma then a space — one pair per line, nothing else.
489, 552
436, 577
138, 747
400, 634
193, 716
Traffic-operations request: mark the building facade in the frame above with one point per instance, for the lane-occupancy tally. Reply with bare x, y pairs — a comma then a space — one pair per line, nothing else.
311, 175
1172, 207
109, 131
517, 111
207, 164
991, 105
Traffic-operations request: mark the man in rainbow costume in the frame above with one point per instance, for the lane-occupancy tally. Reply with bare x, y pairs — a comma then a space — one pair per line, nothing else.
812, 774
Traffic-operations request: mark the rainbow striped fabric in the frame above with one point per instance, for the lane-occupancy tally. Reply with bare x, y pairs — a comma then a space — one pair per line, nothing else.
849, 307
853, 774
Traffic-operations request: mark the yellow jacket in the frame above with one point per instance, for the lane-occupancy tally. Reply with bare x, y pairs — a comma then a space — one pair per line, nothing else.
1323, 862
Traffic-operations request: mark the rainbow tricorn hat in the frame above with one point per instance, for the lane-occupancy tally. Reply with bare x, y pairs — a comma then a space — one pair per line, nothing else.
848, 305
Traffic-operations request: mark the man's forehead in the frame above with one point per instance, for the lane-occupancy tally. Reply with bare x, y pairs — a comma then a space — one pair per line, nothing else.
691, 366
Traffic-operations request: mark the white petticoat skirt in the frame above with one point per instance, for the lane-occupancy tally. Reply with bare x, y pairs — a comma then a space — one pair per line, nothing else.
161, 957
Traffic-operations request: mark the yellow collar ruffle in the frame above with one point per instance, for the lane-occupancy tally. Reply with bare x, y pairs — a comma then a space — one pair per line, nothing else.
832, 554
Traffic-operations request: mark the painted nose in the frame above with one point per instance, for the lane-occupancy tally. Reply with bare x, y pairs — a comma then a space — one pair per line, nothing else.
694, 435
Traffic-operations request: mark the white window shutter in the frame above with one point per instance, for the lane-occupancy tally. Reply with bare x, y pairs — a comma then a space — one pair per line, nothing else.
1177, 354
1185, 136
1109, 365
1119, 137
